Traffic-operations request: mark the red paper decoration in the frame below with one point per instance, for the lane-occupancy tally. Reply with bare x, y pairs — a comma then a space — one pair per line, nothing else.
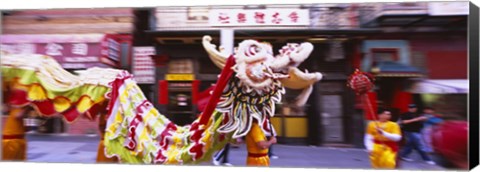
360, 82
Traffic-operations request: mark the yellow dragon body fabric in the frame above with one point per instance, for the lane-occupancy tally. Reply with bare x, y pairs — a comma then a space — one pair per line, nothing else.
137, 133
39, 81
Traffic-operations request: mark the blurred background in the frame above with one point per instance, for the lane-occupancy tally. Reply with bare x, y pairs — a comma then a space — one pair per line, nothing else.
417, 51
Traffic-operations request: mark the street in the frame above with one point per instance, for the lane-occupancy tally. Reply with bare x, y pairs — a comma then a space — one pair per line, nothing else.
83, 149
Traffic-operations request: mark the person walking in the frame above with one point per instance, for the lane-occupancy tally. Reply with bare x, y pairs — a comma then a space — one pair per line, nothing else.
432, 120
381, 141
412, 124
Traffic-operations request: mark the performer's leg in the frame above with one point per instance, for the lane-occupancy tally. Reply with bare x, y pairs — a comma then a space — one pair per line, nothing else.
225, 153
397, 160
258, 161
383, 157
101, 158
373, 156
218, 156
270, 153
408, 147
418, 146
427, 137
14, 145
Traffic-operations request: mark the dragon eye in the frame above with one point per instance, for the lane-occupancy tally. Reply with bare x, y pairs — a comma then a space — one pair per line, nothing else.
257, 49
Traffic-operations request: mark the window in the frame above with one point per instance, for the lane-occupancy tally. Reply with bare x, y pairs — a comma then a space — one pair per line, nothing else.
180, 66
384, 54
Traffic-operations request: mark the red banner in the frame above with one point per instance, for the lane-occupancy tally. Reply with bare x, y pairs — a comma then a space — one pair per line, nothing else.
402, 100
163, 92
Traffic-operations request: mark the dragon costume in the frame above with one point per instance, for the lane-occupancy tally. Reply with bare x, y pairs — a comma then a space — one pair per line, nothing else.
40, 82
252, 81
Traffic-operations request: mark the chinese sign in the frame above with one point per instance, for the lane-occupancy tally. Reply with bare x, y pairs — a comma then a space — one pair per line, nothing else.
264, 17
69, 55
78, 51
143, 65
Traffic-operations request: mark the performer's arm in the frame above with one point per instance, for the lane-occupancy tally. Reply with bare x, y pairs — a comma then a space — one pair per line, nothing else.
259, 137
394, 134
368, 141
266, 144
391, 136
422, 118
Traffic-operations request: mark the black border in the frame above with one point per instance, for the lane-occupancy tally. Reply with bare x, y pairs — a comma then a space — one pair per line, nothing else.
473, 22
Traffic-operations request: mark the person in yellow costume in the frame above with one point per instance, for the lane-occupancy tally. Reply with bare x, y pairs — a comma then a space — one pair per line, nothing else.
257, 146
14, 145
381, 140
101, 158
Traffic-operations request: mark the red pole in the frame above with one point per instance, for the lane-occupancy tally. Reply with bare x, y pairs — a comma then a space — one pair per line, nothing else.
217, 92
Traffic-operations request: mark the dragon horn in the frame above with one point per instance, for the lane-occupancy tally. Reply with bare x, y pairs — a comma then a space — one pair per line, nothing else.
219, 58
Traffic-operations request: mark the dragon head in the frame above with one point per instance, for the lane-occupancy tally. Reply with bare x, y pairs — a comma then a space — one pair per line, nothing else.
260, 78
256, 65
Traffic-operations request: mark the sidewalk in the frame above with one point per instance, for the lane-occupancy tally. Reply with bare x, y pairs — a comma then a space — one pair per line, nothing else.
81, 149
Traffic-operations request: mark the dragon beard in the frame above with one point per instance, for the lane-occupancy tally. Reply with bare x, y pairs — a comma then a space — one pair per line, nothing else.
243, 104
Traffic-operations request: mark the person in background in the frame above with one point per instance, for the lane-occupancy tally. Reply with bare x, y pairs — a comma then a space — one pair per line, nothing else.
381, 140
412, 124
221, 157
432, 120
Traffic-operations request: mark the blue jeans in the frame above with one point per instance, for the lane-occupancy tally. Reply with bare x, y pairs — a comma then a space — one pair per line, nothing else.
414, 142
427, 138
222, 155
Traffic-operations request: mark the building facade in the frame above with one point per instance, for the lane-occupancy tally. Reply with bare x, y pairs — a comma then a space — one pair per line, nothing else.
421, 57
416, 51
184, 72
397, 42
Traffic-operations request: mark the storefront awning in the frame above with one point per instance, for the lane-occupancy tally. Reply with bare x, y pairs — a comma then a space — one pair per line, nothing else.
395, 69
453, 86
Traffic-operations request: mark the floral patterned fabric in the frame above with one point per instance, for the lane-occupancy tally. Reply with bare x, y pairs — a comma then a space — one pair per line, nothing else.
137, 133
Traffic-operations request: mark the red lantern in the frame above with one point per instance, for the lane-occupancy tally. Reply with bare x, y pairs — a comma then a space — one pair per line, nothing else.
360, 82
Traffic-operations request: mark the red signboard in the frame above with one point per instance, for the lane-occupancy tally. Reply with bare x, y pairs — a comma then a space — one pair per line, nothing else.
72, 52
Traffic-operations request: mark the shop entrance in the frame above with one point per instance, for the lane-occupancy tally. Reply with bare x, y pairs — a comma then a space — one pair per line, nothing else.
180, 105
332, 115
